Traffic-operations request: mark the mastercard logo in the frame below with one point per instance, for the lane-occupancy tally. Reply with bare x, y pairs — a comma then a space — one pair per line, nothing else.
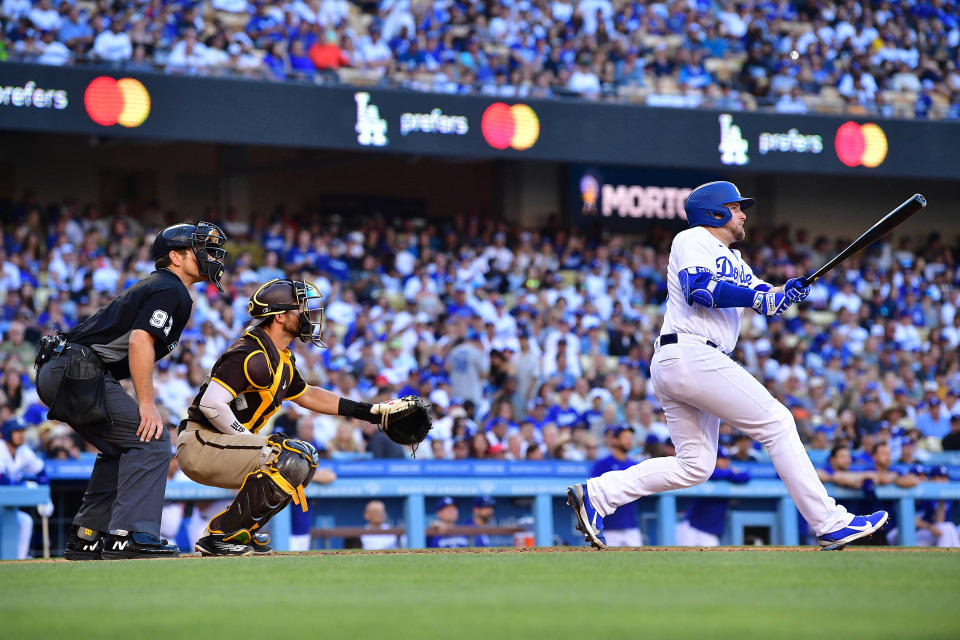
861, 144
124, 102
504, 126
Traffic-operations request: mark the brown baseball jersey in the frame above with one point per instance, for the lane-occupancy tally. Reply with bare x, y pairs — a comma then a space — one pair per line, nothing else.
259, 376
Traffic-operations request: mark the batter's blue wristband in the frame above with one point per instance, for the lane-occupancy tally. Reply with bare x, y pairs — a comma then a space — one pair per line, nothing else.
728, 295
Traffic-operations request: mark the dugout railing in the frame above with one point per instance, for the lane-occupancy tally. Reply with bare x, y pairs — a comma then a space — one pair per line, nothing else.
547, 493
538, 487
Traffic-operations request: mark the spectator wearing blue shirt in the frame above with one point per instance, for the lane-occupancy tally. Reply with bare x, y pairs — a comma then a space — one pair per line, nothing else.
592, 418
435, 375
882, 474
482, 517
933, 421
620, 527
18, 465
299, 62
935, 526
277, 61
538, 414
75, 32
934, 518
562, 414
706, 518
447, 514
263, 27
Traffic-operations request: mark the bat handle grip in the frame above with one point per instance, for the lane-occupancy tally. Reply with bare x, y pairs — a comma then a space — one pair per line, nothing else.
806, 281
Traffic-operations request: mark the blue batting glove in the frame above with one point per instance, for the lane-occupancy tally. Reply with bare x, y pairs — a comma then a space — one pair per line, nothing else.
795, 291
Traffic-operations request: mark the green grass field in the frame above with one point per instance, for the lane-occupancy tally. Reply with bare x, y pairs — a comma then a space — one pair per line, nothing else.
589, 595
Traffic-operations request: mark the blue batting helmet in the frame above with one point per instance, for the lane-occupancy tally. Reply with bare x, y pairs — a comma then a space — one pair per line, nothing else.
705, 203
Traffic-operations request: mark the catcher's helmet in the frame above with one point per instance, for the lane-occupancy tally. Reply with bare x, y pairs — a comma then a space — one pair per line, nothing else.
205, 238
280, 296
705, 203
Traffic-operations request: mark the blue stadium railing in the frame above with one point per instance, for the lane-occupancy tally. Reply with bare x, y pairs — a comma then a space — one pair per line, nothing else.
11, 499
412, 482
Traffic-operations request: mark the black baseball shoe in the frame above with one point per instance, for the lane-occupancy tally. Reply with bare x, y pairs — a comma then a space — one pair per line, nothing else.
215, 545
83, 544
261, 543
122, 545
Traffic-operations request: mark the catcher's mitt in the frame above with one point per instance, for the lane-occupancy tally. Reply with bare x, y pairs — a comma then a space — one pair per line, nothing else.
405, 420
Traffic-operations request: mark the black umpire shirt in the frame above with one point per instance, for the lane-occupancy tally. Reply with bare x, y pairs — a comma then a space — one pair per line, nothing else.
159, 304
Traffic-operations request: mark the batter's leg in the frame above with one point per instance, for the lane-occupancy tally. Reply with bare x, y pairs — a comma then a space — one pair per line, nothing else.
728, 391
694, 434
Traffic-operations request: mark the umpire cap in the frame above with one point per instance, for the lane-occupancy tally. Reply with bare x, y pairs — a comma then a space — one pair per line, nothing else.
279, 296
204, 238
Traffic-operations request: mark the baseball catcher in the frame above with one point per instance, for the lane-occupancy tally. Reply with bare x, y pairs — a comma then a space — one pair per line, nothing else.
219, 445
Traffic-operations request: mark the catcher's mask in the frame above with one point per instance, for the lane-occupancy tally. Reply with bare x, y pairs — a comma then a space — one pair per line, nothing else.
280, 296
204, 238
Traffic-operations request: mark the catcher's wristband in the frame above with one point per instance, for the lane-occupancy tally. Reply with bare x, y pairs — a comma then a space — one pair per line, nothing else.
359, 410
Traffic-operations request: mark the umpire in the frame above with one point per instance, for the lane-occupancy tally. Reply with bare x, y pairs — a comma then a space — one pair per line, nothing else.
77, 379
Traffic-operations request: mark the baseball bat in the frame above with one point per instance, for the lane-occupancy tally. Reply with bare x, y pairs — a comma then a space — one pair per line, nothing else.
871, 235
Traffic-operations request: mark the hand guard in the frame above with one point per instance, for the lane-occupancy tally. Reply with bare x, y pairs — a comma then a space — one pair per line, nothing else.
405, 420
770, 304
795, 291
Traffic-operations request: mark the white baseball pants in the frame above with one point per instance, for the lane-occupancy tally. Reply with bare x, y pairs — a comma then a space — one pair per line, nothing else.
698, 387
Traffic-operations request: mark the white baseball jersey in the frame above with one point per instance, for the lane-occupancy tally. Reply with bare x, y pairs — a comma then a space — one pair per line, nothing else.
697, 247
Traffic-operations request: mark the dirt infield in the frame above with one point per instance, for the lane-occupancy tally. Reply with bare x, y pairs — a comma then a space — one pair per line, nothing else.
516, 550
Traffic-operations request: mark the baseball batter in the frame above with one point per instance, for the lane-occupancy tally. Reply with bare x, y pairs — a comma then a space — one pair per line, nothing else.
709, 286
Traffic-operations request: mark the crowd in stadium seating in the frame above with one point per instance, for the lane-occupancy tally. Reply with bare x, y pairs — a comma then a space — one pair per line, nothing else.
529, 344
885, 57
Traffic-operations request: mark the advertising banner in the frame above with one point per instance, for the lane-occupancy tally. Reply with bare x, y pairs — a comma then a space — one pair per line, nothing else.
158, 106
628, 199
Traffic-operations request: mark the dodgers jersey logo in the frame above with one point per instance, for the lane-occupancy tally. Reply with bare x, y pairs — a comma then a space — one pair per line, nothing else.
727, 272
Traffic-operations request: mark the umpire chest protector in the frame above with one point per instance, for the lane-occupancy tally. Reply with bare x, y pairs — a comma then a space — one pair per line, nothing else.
259, 376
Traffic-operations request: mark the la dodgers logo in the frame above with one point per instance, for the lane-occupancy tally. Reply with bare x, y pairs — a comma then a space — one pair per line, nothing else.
371, 128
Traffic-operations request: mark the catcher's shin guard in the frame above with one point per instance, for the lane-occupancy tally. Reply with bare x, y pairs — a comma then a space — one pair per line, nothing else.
266, 491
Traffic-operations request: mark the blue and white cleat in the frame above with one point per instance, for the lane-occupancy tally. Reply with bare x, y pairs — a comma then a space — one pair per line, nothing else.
859, 527
589, 522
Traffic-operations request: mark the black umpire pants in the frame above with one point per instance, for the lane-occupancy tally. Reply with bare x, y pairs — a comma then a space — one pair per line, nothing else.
129, 478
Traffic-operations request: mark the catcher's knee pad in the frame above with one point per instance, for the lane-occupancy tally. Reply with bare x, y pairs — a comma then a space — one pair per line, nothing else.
297, 461
266, 491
